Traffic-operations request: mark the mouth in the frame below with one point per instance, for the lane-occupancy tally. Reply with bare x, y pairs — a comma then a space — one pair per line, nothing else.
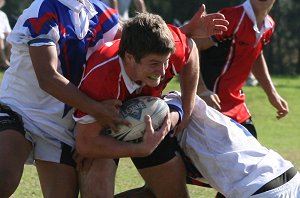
154, 77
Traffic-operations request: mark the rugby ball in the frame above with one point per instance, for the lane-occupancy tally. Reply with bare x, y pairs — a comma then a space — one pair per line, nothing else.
134, 111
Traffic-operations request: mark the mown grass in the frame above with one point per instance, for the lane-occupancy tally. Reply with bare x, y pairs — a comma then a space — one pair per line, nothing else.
280, 135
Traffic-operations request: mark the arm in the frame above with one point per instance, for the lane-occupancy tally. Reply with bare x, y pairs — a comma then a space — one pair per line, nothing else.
188, 83
140, 5
91, 144
261, 73
114, 4
44, 60
3, 60
211, 98
204, 25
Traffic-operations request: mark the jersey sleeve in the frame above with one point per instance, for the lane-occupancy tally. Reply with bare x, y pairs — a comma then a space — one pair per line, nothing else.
37, 26
182, 52
173, 99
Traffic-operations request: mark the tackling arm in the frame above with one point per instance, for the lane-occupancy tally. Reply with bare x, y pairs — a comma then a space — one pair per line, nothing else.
44, 60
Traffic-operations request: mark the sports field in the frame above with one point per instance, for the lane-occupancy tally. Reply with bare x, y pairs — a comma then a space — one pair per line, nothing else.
280, 135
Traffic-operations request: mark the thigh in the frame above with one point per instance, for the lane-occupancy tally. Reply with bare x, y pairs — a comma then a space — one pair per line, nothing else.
14, 147
164, 168
167, 179
57, 180
14, 150
97, 178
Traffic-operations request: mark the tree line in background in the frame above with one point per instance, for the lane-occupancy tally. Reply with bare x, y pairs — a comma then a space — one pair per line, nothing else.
282, 54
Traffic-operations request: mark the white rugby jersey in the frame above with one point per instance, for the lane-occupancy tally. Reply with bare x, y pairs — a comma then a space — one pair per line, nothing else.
225, 153
77, 30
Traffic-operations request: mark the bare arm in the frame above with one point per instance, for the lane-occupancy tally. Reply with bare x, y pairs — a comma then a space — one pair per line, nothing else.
188, 83
44, 60
140, 5
114, 4
211, 98
3, 59
91, 144
261, 73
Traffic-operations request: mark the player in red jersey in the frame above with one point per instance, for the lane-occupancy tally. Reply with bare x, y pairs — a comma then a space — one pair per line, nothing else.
146, 58
227, 60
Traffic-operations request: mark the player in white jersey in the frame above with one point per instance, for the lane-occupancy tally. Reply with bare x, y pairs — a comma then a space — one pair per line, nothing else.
231, 159
51, 41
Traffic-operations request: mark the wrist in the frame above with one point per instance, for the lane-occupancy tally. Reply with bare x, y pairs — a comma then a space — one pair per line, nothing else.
206, 93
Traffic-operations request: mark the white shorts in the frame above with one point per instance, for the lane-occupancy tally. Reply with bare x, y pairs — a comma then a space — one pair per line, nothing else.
48, 149
45, 147
290, 189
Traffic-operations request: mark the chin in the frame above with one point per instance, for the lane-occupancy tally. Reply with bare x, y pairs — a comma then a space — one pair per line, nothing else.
153, 84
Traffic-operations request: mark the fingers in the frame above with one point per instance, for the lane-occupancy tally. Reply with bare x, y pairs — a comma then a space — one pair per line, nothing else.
281, 114
148, 122
202, 10
166, 125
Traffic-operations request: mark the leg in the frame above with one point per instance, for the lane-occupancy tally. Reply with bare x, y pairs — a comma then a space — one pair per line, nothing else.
168, 179
57, 180
97, 178
144, 192
14, 150
164, 171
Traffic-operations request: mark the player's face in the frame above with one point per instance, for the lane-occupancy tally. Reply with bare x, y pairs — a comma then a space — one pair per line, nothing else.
262, 6
151, 69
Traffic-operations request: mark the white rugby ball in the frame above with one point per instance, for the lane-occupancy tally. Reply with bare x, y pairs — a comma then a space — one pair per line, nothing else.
134, 111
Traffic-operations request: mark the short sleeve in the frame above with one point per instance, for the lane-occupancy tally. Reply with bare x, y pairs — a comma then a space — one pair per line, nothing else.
37, 26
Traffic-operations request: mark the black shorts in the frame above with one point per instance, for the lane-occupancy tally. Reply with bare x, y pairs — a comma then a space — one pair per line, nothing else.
165, 151
10, 119
248, 124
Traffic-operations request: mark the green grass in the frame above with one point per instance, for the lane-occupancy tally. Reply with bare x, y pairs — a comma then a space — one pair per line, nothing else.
279, 135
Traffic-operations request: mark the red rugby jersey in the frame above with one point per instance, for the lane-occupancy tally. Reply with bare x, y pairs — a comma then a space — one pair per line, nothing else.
225, 67
104, 80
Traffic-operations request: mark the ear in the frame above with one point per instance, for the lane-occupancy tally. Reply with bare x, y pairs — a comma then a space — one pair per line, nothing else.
129, 58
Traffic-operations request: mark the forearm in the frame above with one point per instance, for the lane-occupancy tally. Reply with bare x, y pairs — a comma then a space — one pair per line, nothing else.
189, 80
44, 60
2, 53
90, 143
261, 73
140, 5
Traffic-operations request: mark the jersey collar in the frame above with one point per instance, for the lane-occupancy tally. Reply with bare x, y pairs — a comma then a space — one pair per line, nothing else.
250, 12
83, 11
131, 85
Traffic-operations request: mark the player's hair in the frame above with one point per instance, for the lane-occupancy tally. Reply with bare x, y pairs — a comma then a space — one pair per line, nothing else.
146, 34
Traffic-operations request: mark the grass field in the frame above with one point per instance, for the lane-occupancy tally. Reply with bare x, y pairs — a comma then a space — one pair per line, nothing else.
280, 135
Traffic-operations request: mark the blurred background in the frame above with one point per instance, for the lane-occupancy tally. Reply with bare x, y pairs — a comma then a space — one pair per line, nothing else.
282, 53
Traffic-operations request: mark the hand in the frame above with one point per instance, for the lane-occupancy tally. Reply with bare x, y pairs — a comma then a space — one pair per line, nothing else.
151, 138
107, 114
82, 164
203, 25
183, 124
211, 99
280, 104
